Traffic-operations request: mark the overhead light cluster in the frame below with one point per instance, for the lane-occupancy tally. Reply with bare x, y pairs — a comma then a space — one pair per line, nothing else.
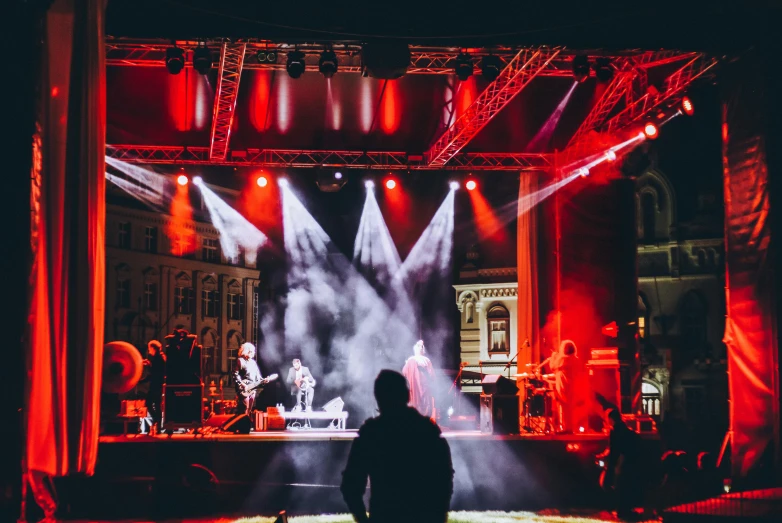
491, 66
580, 67
202, 59
266, 56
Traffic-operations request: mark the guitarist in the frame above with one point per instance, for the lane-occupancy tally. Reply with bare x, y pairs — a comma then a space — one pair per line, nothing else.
302, 384
247, 371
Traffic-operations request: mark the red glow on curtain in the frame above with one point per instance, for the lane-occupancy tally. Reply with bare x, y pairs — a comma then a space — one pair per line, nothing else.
491, 230
466, 94
181, 100
260, 99
66, 315
391, 108
261, 205
396, 205
182, 237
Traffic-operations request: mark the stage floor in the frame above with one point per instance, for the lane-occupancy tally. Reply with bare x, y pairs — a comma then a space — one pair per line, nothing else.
337, 435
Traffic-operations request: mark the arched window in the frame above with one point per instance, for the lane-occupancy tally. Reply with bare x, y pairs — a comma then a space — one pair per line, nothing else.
498, 320
649, 216
652, 399
234, 342
693, 323
211, 353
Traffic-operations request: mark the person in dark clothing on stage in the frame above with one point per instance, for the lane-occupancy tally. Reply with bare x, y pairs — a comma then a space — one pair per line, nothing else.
246, 372
623, 465
156, 361
405, 458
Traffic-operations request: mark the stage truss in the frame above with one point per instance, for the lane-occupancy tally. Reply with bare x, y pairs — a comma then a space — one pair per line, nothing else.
626, 101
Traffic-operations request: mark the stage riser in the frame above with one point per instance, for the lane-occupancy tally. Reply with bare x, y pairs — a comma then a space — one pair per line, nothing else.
256, 476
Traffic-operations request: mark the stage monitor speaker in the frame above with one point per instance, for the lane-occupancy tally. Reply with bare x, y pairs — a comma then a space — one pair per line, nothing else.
499, 414
335, 405
217, 420
238, 424
605, 383
183, 406
497, 384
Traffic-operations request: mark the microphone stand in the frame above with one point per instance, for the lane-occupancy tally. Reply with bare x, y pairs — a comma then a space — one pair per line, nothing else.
507, 365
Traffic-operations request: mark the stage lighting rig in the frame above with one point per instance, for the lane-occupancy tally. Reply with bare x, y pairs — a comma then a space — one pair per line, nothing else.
328, 63
330, 181
266, 56
580, 68
175, 59
490, 67
385, 59
202, 59
295, 64
651, 131
470, 185
390, 183
463, 67
603, 70
262, 181
182, 180
687, 107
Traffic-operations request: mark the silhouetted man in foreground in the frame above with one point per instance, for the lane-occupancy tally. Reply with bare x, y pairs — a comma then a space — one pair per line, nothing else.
406, 460
624, 474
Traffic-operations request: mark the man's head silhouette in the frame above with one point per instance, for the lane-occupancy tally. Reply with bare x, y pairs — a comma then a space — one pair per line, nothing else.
391, 391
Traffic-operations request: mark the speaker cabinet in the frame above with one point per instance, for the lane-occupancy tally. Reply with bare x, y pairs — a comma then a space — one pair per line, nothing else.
605, 383
499, 414
183, 406
497, 384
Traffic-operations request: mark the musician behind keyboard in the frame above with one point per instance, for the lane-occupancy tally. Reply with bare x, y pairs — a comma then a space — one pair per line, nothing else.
247, 371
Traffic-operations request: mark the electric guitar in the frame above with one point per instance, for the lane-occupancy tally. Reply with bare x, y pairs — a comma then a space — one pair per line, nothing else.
250, 387
305, 383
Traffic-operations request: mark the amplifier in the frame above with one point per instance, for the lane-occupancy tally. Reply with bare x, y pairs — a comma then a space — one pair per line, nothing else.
499, 414
604, 354
183, 406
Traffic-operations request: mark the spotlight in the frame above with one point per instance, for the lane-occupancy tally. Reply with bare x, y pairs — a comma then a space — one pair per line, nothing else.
390, 183
182, 180
202, 59
470, 185
295, 64
369, 184
454, 185
328, 63
687, 107
651, 131
262, 181
463, 67
610, 155
266, 56
583, 172
580, 68
603, 70
197, 180
283, 182
330, 181
490, 67
338, 175
175, 59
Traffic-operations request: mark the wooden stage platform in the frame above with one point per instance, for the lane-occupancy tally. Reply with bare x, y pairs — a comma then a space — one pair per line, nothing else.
300, 471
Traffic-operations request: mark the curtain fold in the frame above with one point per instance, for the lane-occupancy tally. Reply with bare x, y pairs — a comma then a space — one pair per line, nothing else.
528, 318
67, 275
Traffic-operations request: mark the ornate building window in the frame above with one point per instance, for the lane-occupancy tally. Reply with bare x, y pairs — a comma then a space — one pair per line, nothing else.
210, 298
182, 244
123, 235
122, 296
210, 251
150, 296
498, 320
211, 351
183, 297
234, 342
234, 301
652, 399
150, 239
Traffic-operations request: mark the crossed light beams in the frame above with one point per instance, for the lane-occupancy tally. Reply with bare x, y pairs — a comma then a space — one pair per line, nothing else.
237, 235
147, 186
374, 248
331, 305
543, 136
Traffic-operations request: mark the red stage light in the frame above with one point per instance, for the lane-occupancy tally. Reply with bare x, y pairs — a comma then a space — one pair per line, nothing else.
182, 179
610, 329
390, 184
687, 106
650, 131
470, 185
262, 181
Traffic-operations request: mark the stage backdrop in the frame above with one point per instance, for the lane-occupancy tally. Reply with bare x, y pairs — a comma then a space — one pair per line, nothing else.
67, 274
527, 342
750, 327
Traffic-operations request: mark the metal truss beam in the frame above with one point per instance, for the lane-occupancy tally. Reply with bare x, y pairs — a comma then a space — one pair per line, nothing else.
344, 159
228, 77
628, 71
512, 80
696, 66
423, 59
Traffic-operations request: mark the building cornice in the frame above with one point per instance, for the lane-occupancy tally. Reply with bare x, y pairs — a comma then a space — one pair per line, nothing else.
177, 263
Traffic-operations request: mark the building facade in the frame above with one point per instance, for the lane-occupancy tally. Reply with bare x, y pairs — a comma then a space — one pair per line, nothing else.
157, 281
681, 303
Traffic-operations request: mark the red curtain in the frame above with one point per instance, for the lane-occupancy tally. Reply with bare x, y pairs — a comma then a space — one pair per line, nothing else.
749, 329
65, 319
528, 326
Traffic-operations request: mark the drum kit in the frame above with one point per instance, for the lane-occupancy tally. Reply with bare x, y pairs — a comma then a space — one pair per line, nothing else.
538, 403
